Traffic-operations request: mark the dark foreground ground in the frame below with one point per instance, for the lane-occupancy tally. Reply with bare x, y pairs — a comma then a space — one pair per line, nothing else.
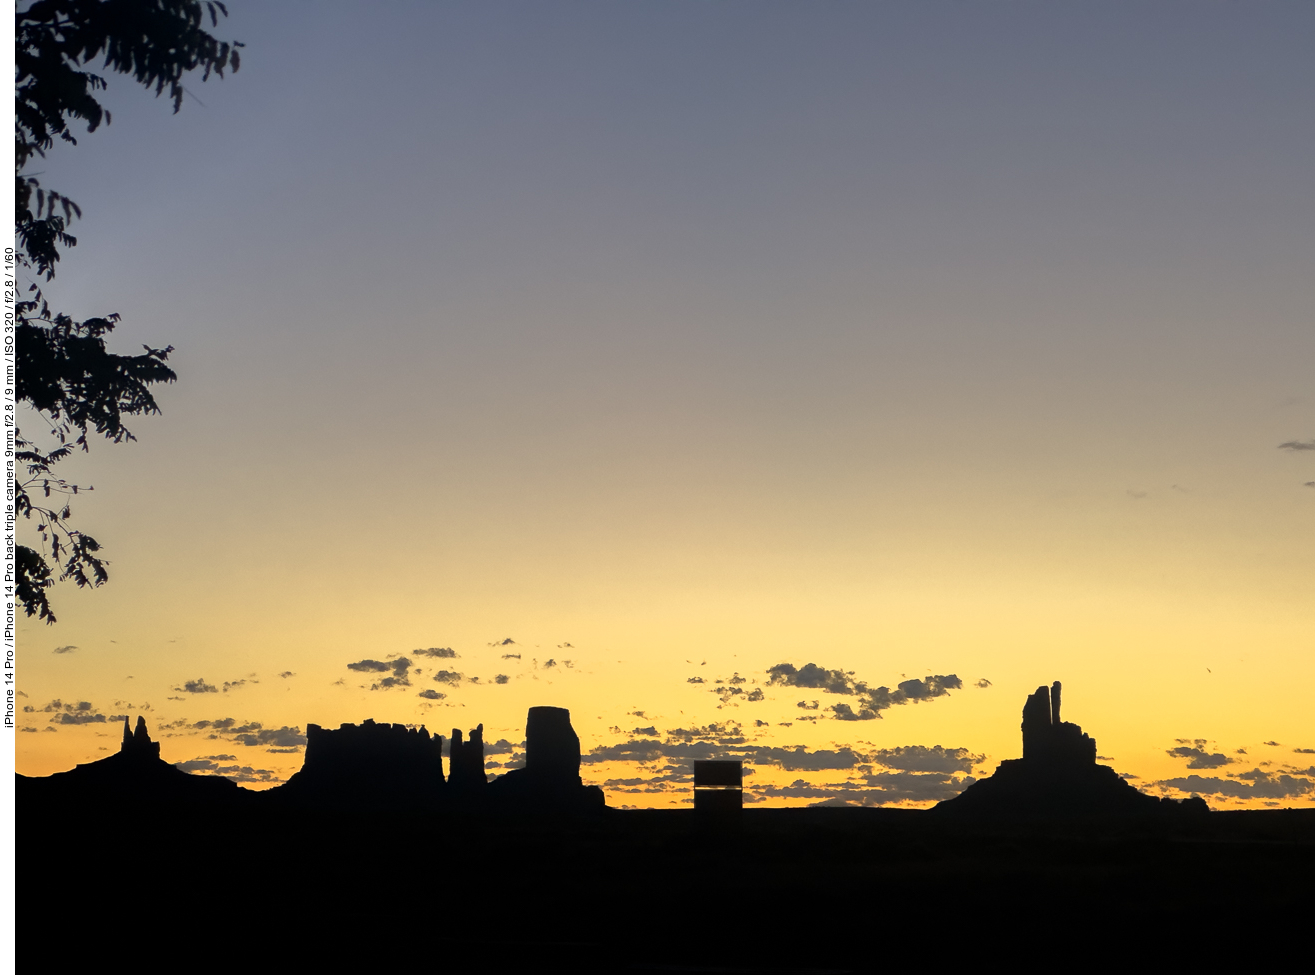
831, 890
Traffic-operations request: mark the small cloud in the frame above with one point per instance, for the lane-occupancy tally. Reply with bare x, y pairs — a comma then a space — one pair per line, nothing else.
432, 695
367, 666
1303, 751
1272, 744
71, 713
68, 649
808, 706
982, 683
501, 679
1198, 756
286, 674
1136, 495
198, 686
695, 680
285, 737
1309, 484
400, 672
445, 652
511, 656
234, 684
448, 677
1297, 445
549, 663
565, 646
509, 642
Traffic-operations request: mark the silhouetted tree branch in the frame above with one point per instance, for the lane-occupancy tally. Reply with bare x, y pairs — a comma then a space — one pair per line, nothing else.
65, 371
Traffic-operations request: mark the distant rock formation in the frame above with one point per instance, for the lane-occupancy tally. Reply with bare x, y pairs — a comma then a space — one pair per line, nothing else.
466, 761
1057, 777
368, 765
133, 776
1049, 741
138, 744
550, 780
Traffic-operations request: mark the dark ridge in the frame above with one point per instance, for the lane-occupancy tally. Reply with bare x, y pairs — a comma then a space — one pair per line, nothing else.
135, 774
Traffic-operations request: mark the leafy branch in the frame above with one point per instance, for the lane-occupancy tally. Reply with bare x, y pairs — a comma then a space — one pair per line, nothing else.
65, 373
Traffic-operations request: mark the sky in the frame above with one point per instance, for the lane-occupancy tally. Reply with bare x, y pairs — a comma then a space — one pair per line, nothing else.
623, 349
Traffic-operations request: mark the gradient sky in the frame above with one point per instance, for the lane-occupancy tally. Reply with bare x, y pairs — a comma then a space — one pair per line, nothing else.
906, 339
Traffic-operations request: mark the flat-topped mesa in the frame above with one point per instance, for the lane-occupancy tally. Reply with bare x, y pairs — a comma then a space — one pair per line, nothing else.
1048, 740
138, 743
466, 760
373, 749
370, 765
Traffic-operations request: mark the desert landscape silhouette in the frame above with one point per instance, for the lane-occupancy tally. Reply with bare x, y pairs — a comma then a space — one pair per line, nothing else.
589, 486
371, 854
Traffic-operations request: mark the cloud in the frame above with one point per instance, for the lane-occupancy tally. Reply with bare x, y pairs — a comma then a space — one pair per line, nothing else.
71, 713
1198, 756
285, 737
197, 765
873, 790
549, 663
1248, 785
982, 683
238, 773
1301, 751
448, 677
68, 649
198, 686
501, 679
445, 652
917, 786
811, 675
286, 674
872, 701
1297, 445
509, 642
218, 724
370, 666
400, 668
908, 773
1309, 484
695, 680
231, 684
920, 758
511, 656
431, 695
